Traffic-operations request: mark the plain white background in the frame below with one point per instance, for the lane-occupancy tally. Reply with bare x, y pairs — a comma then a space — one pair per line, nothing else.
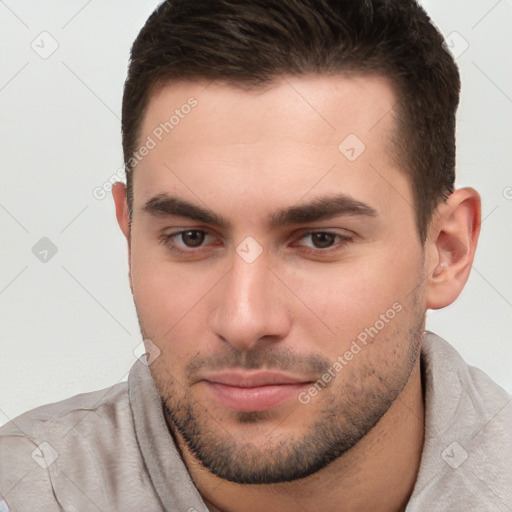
68, 324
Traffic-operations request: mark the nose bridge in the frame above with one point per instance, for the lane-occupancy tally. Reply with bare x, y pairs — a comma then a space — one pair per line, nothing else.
248, 309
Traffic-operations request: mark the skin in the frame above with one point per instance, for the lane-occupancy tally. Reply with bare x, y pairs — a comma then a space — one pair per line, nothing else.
300, 304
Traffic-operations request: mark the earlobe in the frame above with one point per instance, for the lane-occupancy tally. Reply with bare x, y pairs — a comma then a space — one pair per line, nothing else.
451, 247
122, 212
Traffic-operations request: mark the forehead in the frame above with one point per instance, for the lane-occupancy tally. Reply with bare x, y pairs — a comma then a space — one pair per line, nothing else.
324, 103
273, 143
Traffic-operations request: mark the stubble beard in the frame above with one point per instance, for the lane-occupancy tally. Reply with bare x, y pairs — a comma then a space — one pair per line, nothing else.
343, 420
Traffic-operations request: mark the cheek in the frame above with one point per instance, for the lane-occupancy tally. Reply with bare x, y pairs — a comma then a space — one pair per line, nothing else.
163, 292
357, 295
164, 302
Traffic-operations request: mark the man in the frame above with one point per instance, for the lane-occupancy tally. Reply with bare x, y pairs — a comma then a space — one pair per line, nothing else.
290, 215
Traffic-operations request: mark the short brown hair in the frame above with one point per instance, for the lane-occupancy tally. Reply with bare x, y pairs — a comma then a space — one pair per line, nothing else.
248, 43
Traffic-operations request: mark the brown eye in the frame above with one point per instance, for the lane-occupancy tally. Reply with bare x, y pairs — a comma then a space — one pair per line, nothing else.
193, 238
322, 240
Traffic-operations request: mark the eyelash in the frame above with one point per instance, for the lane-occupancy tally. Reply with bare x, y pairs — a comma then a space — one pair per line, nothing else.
167, 240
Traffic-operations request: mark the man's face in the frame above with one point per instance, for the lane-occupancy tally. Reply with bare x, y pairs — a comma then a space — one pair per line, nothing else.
289, 311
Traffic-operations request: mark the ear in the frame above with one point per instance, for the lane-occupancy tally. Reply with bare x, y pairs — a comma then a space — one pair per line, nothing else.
122, 212
451, 247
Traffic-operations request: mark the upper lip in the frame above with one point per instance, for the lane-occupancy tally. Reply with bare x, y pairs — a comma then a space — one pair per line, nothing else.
247, 379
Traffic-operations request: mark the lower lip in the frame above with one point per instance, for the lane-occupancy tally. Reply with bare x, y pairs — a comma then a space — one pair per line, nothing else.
259, 398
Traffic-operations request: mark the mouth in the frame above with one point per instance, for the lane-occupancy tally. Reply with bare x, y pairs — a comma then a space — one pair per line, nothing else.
253, 391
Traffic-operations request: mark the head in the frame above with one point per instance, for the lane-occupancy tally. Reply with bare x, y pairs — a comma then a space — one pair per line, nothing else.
249, 44
298, 209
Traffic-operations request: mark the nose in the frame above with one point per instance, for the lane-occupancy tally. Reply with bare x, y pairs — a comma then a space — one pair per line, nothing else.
251, 310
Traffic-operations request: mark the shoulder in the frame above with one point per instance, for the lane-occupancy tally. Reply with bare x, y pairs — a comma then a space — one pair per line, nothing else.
32, 444
460, 394
466, 461
65, 411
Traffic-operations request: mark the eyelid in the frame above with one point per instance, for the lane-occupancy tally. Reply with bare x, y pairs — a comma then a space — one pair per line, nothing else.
343, 239
330, 231
167, 238
343, 232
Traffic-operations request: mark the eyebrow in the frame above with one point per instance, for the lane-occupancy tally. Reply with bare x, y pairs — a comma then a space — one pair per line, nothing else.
164, 205
321, 208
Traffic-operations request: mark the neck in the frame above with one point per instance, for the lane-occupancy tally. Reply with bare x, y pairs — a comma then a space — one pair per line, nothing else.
378, 473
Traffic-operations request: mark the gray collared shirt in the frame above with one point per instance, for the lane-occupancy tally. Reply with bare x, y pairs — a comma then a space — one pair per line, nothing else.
111, 450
